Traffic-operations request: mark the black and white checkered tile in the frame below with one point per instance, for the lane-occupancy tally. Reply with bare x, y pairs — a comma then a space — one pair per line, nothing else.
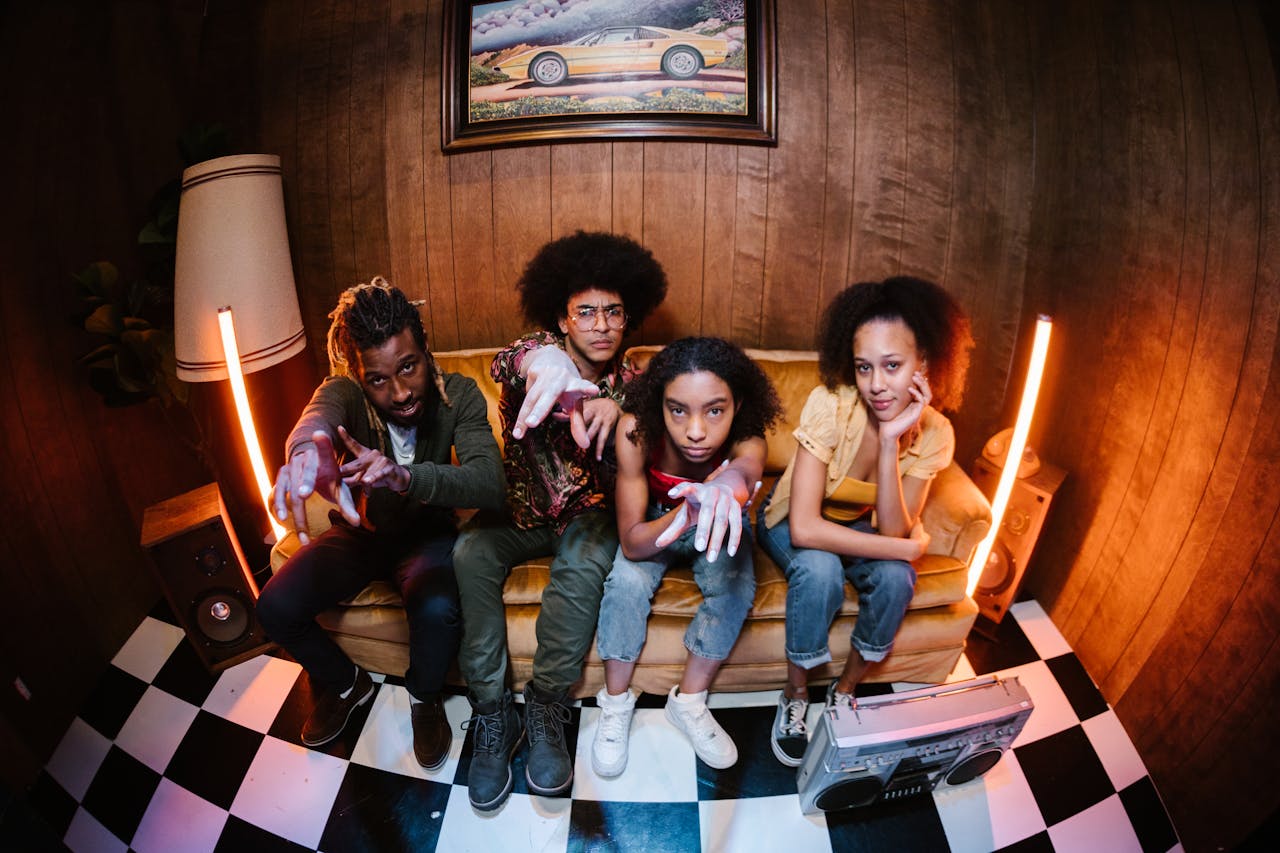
166, 757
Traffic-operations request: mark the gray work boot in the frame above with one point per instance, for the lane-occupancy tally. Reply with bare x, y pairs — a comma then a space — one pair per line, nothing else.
495, 731
550, 769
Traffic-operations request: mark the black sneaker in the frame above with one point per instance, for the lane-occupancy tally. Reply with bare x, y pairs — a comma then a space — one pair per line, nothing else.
790, 734
495, 731
838, 700
332, 710
549, 770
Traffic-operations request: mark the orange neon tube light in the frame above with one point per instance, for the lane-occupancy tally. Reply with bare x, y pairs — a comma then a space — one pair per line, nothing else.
231, 351
1021, 428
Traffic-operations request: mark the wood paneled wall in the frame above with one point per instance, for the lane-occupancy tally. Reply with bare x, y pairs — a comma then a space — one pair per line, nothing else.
1113, 164
864, 183
1156, 240
90, 137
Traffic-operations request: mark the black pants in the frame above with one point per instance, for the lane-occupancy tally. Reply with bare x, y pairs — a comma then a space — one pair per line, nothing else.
338, 564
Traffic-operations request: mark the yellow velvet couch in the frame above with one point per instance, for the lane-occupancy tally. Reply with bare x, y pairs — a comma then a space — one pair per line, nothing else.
372, 627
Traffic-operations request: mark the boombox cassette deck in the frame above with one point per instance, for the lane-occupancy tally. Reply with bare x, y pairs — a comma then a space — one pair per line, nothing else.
903, 744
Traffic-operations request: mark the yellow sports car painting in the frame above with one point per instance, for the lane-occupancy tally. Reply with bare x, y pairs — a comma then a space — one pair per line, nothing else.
618, 50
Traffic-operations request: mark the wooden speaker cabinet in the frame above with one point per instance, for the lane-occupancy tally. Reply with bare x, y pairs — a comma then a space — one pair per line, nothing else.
198, 561
1016, 539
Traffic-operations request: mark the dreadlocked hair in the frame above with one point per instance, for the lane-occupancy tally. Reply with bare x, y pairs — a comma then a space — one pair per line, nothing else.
759, 407
367, 316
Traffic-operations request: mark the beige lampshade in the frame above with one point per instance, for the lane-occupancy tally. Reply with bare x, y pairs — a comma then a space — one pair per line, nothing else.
233, 250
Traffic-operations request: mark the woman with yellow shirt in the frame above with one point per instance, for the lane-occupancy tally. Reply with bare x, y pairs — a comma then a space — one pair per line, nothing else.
848, 505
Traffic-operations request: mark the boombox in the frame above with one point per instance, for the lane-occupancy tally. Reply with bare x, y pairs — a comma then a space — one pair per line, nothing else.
902, 744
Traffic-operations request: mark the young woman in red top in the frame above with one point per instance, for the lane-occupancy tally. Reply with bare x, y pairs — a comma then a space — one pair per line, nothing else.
691, 452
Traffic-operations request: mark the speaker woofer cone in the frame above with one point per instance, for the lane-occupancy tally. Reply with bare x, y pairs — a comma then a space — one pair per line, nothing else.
221, 616
1000, 571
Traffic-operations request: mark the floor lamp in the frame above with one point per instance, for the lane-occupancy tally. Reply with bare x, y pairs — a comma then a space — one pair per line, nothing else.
1018, 443
235, 303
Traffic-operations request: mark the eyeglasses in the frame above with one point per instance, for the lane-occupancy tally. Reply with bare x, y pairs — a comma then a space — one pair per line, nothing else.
584, 316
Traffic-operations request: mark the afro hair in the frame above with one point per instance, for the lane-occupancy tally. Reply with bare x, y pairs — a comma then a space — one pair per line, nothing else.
586, 260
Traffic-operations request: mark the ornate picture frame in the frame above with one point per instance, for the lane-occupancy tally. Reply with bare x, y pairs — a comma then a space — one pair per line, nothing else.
536, 71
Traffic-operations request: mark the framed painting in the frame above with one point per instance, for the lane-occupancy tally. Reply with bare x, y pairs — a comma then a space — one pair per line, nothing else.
536, 71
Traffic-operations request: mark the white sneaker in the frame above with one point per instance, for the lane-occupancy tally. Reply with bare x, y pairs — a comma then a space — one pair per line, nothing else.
613, 728
688, 712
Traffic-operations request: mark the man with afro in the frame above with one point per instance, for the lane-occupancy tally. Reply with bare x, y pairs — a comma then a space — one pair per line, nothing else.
561, 388
377, 440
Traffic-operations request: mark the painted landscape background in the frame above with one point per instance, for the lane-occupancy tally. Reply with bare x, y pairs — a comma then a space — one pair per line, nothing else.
500, 31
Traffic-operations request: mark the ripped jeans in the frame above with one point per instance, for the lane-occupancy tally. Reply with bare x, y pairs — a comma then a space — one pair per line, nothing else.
815, 592
728, 588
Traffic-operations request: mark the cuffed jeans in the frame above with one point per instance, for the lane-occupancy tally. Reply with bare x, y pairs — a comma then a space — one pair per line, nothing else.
338, 564
486, 550
815, 591
728, 587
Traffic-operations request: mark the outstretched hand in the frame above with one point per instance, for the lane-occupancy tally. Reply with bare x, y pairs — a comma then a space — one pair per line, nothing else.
369, 468
551, 380
714, 508
312, 468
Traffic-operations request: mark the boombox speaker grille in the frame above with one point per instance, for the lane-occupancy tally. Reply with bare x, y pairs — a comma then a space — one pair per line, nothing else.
850, 793
974, 766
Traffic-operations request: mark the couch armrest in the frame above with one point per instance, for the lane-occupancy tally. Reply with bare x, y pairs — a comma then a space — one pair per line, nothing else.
957, 515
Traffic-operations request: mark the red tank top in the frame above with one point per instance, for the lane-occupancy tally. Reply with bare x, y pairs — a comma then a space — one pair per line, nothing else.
660, 482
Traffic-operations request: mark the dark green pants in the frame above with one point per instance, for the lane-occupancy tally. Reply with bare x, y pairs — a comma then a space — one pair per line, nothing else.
485, 551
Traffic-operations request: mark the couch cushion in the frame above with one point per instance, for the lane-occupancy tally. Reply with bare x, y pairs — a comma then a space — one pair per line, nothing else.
941, 580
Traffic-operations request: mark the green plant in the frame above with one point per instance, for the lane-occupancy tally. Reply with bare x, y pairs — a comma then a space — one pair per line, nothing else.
136, 361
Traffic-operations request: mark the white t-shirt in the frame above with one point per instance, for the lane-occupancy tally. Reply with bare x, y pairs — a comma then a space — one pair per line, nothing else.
404, 442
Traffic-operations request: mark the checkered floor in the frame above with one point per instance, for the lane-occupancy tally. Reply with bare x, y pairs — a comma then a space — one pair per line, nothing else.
165, 757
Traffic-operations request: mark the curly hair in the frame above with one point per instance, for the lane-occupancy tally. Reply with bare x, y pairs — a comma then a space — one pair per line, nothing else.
760, 408
940, 327
586, 260
369, 315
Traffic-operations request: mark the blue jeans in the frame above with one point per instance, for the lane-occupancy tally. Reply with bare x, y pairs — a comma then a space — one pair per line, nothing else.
728, 588
815, 591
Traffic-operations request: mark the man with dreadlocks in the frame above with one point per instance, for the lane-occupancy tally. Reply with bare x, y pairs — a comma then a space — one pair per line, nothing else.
559, 405
376, 441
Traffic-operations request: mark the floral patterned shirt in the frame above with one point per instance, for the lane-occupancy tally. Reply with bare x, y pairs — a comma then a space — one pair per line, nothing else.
550, 479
